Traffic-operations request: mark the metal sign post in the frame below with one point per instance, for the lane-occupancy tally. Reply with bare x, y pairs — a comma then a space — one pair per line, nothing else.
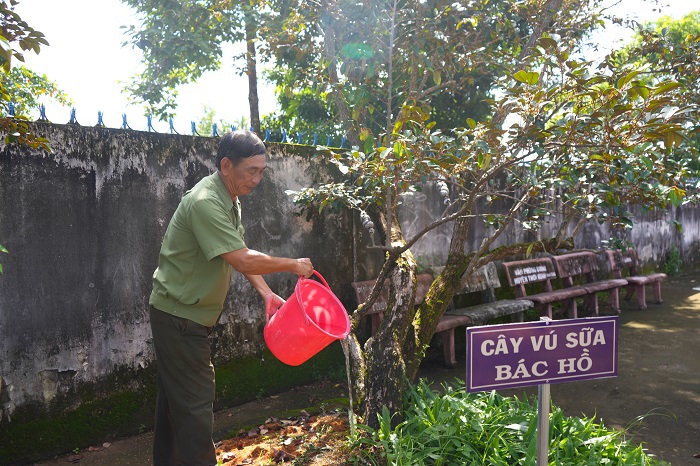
540, 353
543, 402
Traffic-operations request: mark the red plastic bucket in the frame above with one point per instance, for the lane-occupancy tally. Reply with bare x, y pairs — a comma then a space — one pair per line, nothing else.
310, 320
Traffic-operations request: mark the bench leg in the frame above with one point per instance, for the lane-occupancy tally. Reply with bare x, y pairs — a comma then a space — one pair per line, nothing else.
591, 301
571, 309
545, 309
642, 296
630, 292
448, 347
518, 317
615, 300
657, 292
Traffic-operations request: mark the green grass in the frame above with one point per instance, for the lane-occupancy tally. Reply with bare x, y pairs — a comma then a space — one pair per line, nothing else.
456, 427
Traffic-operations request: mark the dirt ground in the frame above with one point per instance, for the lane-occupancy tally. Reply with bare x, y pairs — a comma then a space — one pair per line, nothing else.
658, 379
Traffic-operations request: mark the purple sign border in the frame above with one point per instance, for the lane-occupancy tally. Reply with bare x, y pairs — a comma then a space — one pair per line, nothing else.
538, 327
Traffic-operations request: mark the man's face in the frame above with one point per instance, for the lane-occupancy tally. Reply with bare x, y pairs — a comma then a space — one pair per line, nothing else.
241, 179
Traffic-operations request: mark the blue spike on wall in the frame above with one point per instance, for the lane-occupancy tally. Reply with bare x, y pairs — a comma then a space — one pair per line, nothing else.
194, 129
73, 120
149, 118
215, 132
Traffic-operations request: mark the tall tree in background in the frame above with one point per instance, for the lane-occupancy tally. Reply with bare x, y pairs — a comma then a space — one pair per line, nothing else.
583, 146
181, 40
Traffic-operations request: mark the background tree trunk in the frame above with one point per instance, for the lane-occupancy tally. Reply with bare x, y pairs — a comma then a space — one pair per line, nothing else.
252, 70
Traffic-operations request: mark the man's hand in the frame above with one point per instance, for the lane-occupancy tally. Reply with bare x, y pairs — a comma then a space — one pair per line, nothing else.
304, 267
272, 305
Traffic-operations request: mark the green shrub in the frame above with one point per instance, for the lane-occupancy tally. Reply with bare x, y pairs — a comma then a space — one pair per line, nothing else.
673, 262
488, 429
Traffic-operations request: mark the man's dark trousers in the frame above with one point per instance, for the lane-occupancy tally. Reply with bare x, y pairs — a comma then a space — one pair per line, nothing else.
186, 388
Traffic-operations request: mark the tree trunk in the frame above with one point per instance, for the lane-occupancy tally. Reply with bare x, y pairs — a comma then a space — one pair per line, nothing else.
252, 70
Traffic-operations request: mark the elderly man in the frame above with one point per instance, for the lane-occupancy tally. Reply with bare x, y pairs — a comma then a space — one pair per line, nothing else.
202, 246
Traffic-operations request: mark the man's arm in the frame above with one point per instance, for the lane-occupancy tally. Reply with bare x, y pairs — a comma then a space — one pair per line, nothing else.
251, 262
271, 300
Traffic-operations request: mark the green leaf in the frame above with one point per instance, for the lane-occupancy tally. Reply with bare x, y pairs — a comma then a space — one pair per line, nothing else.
527, 77
672, 138
666, 86
471, 123
437, 77
547, 42
676, 196
626, 79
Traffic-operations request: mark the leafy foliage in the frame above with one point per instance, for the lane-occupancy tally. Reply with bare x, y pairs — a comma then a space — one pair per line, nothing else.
562, 143
585, 147
180, 41
456, 427
207, 121
13, 30
24, 88
369, 59
16, 32
669, 51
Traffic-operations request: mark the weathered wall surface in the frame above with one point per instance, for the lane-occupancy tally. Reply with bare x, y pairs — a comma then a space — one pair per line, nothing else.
83, 226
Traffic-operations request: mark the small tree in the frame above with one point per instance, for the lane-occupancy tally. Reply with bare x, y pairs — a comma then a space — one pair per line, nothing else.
585, 144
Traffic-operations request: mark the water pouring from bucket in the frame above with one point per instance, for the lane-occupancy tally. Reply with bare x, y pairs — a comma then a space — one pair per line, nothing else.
311, 319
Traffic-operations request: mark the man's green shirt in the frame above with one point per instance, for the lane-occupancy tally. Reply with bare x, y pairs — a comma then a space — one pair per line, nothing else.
192, 280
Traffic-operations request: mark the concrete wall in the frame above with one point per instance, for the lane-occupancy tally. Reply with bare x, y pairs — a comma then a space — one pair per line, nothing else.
84, 225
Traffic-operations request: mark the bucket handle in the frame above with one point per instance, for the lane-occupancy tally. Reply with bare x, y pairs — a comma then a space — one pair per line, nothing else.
297, 291
323, 280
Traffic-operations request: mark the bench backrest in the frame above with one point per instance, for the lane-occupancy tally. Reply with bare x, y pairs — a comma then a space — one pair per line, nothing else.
575, 264
622, 260
482, 279
521, 273
364, 289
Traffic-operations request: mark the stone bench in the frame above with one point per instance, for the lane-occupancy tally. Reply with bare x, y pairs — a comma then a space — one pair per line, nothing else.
523, 274
484, 280
627, 260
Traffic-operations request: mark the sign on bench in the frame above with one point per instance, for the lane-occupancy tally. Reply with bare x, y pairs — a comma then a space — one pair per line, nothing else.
533, 274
